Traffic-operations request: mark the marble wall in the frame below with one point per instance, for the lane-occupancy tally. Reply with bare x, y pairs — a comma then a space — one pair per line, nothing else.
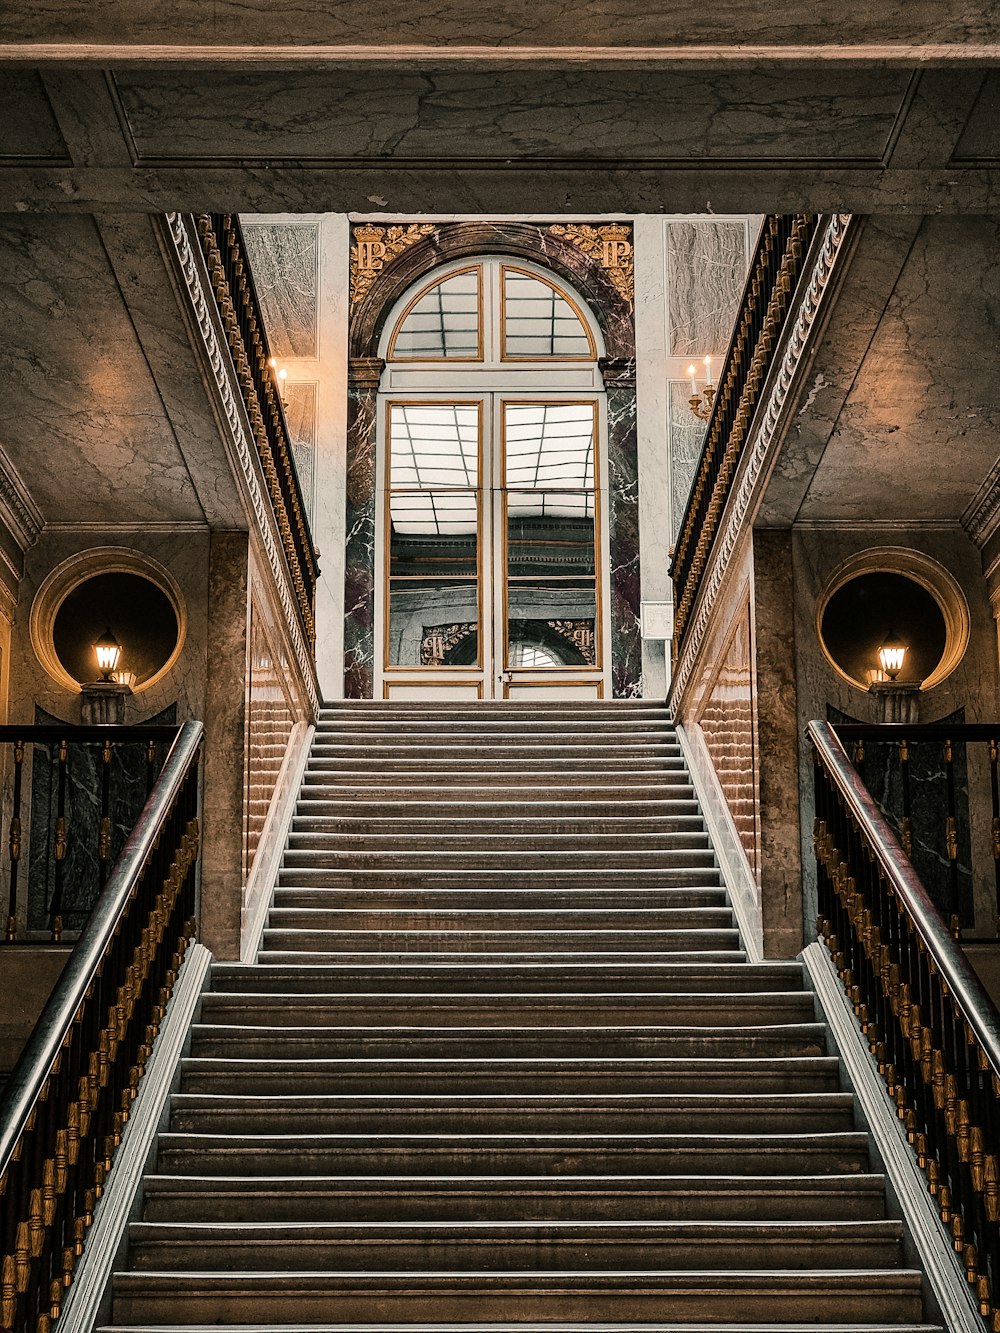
270, 716
284, 257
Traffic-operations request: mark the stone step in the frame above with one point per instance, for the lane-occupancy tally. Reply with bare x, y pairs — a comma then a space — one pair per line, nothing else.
507, 978
474, 748
464, 941
317, 810
240, 1074
298, 1299
519, 793
696, 1010
682, 862
396, 1042
675, 842
520, 1154
401, 819
512, 1246
507, 763
496, 876
561, 900
532, 1327
389, 920
430, 959
494, 729
513, 1198
396, 1113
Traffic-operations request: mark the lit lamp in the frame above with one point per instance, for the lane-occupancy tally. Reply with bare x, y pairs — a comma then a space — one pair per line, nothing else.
701, 401
103, 700
897, 698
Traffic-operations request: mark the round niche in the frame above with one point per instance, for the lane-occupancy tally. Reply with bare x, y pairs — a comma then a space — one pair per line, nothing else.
123, 591
899, 592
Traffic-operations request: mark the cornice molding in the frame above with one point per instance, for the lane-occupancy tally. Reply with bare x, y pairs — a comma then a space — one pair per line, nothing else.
219, 362
982, 518
766, 431
17, 508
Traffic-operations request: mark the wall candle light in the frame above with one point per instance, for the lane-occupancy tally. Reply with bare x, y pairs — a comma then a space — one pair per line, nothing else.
701, 403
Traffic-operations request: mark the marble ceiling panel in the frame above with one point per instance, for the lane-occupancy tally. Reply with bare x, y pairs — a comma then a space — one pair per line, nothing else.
980, 139
28, 129
77, 399
785, 113
918, 431
518, 23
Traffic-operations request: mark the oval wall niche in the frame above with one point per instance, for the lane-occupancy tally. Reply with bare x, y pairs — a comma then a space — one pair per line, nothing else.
108, 588
892, 590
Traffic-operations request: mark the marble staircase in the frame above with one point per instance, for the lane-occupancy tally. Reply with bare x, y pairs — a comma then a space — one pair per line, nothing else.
503, 1064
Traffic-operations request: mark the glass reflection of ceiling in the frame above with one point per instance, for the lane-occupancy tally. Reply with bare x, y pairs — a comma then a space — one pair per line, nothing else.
531, 655
444, 322
434, 444
433, 513
539, 321
549, 444
552, 504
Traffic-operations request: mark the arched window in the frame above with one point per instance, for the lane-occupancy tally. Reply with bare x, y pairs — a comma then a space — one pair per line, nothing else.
492, 542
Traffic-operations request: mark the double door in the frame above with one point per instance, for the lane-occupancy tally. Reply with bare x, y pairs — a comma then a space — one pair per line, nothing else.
493, 548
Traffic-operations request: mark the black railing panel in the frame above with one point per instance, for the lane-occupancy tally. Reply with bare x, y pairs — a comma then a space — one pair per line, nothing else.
934, 1031
65, 1106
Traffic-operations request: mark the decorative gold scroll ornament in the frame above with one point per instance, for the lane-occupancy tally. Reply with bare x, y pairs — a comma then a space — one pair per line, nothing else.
373, 247
609, 245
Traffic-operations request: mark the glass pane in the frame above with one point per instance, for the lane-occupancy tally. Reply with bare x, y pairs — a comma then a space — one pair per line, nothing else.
433, 622
550, 533
551, 624
549, 444
433, 532
538, 321
443, 323
434, 444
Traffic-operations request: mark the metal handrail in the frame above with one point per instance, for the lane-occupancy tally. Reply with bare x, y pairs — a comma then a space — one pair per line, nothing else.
978, 1010
42, 1049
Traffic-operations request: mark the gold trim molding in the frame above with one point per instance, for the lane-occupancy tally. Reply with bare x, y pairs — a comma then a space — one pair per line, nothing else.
372, 247
610, 246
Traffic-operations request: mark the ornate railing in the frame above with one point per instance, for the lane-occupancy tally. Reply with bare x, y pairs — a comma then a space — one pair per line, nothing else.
232, 283
66, 1103
926, 779
767, 298
934, 1032
74, 794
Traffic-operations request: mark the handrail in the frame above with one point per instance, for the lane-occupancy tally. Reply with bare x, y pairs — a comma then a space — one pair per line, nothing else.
64, 1107
764, 307
928, 1019
224, 250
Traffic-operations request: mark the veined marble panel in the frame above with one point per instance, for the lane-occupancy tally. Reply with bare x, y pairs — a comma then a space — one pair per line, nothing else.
686, 437
981, 136
301, 419
726, 722
284, 258
706, 273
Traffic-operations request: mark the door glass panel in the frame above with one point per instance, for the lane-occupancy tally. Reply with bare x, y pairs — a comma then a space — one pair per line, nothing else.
433, 622
551, 623
539, 321
434, 444
433, 532
549, 445
550, 533
443, 322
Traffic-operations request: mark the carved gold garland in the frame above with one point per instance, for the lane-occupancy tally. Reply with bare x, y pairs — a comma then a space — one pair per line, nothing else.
372, 247
608, 245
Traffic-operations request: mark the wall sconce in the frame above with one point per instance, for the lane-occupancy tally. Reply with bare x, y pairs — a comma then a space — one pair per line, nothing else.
108, 652
897, 699
282, 377
701, 403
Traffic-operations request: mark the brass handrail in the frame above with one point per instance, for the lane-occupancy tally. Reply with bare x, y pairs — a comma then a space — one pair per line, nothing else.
225, 254
766, 301
64, 1107
932, 1028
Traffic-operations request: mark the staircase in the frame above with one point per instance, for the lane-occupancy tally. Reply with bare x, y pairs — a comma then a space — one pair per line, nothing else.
503, 1063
